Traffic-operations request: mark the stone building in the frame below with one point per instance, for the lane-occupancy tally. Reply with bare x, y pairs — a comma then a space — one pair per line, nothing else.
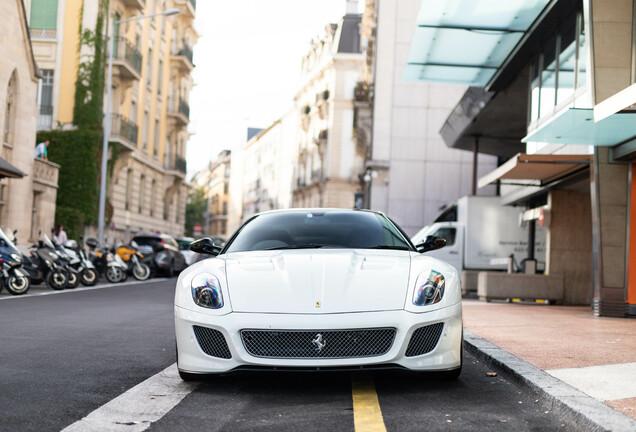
328, 161
151, 82
28, 187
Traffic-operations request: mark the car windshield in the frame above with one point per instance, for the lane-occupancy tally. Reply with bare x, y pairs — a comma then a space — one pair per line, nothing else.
146, 241
318, 229
184, 244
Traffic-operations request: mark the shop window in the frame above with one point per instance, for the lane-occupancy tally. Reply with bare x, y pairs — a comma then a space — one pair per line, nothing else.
567, 65
547, 96
581, 61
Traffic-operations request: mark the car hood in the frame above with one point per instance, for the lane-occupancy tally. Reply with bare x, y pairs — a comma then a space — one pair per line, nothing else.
317, 281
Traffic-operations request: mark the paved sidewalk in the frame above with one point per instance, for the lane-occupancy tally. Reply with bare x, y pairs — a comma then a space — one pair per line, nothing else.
596, 356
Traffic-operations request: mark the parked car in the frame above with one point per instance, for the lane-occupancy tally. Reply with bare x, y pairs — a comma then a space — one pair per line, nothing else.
168, 259
184, 248
318, 289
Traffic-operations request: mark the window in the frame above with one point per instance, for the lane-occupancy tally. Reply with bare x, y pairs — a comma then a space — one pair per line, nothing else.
142, 193
153, 194
155, 149
145, 134
160, 77
224, 208
226, 187
10, 110
149, 67
129, 181
43, 14
223, 227
45, 100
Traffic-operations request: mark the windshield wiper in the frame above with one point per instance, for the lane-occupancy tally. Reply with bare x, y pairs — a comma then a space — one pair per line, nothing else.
301, 246
387, 247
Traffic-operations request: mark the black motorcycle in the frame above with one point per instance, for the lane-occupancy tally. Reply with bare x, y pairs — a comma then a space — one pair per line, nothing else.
12, 276
43, 264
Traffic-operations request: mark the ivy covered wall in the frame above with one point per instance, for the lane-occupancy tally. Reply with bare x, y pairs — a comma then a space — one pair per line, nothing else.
79, 154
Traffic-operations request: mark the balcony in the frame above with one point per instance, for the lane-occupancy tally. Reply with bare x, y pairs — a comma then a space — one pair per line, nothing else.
183, 58
135, 4
175, 165
45, 172
43, 34
127, 59
179, 111
188, 7
123, 131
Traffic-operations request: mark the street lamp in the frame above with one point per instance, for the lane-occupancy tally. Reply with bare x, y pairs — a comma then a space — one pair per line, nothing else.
102, 191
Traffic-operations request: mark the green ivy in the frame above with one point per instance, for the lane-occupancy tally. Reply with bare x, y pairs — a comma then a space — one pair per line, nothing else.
79, 154
195, 209
89, 86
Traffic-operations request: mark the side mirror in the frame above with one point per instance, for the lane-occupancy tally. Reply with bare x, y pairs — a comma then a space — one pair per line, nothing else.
205, 246
157, 247
431, 243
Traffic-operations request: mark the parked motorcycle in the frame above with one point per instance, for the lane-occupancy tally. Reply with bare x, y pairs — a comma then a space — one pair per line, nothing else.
79, 263
43, 264
65, 261
134, 261
105, 262
12, 276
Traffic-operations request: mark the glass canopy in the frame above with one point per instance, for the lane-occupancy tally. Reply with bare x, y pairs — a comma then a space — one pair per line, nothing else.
577, 126
466, 41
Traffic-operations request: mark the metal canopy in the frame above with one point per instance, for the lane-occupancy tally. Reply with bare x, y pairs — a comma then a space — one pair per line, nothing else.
467, 41
542, 167
8, 170
577, 126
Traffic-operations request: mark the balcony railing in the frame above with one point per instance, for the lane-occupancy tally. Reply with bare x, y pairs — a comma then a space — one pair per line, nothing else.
126, 51
186, 52
123, 127
176, 163
43, 34
184, 108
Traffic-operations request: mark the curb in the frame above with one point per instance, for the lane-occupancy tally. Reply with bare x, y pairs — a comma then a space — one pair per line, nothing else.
565, 400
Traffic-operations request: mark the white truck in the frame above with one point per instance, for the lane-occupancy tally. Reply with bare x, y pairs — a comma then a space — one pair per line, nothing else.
481, 234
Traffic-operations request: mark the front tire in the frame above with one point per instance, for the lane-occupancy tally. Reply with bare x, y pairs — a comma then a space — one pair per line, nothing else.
88, 277
141, 272
57, 280
114, 274
18, 285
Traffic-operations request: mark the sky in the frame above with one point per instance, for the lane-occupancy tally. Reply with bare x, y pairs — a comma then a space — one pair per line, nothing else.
247, 70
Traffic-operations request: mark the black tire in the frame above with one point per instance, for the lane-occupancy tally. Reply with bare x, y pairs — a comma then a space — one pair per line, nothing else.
73, 280
57, 280
18, 285
114, 274
141, 272
89, 277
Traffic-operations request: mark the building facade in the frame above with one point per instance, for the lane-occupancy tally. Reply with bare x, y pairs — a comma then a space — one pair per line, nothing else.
408, 171
28, 186
553, 97
149, 116
328, 161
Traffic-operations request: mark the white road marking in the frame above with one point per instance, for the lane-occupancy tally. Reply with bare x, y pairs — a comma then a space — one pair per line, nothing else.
603, 383
139, 407
80, 288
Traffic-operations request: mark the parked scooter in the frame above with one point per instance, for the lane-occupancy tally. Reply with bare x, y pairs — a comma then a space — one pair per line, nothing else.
65, 261
12, 276
133, 259
84, 267
105, 262
43, 264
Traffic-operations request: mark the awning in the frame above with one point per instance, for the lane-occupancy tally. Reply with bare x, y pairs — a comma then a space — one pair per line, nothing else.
467, 41
543, 168
577, 126
8, 170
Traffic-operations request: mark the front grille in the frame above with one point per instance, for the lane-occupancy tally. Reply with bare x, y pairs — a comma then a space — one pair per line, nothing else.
308, 344
212, 342
424, 340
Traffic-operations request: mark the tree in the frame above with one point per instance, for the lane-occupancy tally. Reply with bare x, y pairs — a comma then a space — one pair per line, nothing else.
196, 207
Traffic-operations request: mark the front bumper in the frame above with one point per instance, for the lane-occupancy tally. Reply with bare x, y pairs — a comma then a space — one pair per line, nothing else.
445, 356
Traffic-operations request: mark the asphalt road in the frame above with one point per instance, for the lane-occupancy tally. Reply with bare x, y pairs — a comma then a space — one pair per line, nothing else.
64, 355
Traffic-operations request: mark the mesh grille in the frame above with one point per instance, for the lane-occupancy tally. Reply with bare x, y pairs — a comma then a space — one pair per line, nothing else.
212, 342
318, 343
424, 340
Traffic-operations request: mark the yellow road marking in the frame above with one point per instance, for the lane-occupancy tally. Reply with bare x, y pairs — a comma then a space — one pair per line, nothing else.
367, 416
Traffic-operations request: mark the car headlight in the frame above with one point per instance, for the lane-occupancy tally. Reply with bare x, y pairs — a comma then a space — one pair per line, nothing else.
206, 291
429, 289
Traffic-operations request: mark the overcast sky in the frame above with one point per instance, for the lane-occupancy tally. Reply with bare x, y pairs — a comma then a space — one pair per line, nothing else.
248, 66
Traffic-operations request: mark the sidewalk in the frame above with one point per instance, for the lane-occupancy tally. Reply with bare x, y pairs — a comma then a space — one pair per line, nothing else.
596, 356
